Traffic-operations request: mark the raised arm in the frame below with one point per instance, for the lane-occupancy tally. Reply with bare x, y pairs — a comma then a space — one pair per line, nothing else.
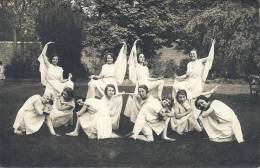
211, 52
44, 56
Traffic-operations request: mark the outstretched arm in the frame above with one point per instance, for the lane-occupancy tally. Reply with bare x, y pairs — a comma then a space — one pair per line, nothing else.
44, 56
204, 60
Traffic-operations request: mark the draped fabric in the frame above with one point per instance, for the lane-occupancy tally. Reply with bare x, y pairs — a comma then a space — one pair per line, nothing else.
28, 119
43, 67
209, 63
132, 62
222, 124
96, 122
120, 64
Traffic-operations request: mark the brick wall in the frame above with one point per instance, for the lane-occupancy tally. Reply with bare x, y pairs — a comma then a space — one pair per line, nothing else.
25, 49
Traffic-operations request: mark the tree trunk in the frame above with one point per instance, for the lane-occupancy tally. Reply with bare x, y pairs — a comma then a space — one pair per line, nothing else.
14, 42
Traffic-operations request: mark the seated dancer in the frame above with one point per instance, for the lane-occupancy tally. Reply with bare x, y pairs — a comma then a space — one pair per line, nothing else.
31, 115
62, 112
139, 74
152, 117
114, 103
219, 120
184, 119
111, 73
135, 102
196, 75
94, 119
52, 74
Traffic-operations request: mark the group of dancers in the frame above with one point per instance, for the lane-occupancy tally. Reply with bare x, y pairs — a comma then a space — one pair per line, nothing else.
188, 108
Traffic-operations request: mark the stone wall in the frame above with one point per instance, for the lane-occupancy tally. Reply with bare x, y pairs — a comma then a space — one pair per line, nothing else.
24, 49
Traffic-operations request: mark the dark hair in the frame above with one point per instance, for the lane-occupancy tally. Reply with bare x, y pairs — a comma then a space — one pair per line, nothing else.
70, 92
201, 97
169, 97
50, 102
181, 92
105, 57
144, 87
109, 85
1, 63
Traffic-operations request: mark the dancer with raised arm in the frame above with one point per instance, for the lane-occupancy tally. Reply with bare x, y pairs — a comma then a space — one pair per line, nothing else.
196, 75
52, 74
139, 74
111, 73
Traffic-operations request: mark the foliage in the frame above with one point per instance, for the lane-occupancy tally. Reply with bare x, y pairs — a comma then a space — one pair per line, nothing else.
58, 22
234, 26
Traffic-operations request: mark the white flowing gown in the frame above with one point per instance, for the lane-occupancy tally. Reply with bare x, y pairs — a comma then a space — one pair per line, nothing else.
222, 125
30, 117
111, 73
96, 122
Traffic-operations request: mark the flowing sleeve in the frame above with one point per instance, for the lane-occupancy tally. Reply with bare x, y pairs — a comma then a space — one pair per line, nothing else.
43, 67
132, 62
120, 64
208, 64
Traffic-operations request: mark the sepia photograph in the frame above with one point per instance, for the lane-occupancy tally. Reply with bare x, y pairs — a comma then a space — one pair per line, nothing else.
130, 83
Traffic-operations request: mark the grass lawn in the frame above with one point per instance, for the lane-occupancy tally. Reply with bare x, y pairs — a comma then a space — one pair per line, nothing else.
191, 150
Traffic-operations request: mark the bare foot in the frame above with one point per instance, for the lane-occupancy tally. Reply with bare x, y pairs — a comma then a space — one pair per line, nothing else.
72, 134
18, 132
169, 139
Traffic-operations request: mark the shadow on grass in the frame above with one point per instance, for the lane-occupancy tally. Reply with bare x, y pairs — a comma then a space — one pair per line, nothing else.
193, 149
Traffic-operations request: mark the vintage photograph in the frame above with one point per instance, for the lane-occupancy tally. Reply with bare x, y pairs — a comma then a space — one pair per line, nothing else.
129, 83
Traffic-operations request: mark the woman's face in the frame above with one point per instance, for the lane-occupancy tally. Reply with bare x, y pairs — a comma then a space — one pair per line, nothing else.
110, 91
110, 59
203, 104
181, 98
55, 60
141, 58
193, 55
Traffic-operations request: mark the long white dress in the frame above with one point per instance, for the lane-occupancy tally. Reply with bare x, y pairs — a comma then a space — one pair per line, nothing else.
148, 121
134, 105
96, 122
222, 124
111, 73
197, 73
60, 118
185, 123
30, 117
51, 76
115, 106
139, 74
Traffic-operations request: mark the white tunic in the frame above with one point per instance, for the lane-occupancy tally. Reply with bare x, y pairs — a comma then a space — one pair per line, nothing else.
134, 105
60, 118
194, 83
149, 116
96, 122
28, 118
114, 106
222, 125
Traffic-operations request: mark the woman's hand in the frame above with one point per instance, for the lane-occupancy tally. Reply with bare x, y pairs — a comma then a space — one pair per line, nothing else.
50, 42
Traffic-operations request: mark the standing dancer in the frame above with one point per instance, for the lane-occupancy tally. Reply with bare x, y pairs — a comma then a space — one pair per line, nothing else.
196, 75
52, 74
139, 73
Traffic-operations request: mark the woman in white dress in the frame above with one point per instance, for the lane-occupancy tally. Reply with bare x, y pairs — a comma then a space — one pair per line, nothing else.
114, 102
94, 119
31, 117
219, 120
183, 119
2, 73
111, 73
52, 74
196, 75
62, 112
152, 117
139, 74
